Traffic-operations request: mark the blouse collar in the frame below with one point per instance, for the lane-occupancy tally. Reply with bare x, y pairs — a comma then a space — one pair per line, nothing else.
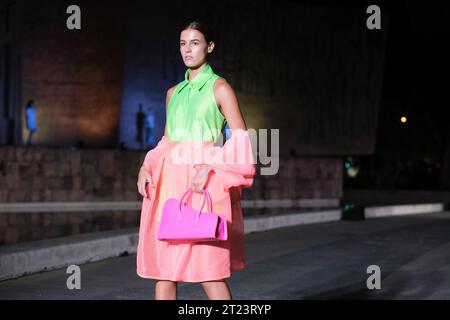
199, 80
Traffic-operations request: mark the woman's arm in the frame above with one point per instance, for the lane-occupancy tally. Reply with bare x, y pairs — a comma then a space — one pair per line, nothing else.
225, 161
229, 105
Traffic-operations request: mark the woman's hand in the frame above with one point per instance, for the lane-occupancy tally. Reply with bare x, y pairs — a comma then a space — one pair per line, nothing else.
144, 177
201, 177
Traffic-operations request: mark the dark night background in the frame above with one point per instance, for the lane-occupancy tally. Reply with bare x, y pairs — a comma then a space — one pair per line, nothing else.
415, 84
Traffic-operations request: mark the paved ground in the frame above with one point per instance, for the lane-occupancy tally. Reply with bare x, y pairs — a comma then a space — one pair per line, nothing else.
320, 261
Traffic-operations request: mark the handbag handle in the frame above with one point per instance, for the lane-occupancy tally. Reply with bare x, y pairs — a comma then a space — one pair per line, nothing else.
205, 191
205, 196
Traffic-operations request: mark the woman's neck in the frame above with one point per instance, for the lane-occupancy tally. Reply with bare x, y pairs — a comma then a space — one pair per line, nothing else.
194, 72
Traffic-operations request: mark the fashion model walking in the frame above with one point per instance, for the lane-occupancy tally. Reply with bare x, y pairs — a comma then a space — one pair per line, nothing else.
197, 110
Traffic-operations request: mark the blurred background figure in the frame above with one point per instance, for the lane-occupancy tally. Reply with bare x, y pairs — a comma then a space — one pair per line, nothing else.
140, 118
31, 120
149, 125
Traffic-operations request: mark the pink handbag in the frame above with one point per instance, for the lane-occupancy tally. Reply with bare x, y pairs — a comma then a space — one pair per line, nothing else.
180, 221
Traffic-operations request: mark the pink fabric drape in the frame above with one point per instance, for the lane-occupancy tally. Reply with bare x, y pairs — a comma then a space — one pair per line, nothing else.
172, 167
234, 162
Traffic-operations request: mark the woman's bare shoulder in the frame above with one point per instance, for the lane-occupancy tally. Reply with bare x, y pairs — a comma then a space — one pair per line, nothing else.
171, 89
220, 81
221, 86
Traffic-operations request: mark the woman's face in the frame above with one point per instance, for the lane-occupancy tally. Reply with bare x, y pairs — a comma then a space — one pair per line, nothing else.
193, 47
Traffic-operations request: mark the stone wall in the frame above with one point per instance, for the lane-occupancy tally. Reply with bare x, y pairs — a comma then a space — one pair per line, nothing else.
44, 174
74, 76
60, 175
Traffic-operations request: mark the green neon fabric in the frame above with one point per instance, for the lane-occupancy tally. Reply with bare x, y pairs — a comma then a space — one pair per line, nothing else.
192, 111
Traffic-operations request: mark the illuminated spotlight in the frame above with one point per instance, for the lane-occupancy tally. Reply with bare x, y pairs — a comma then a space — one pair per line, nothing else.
403, 119
353, 172
347, 165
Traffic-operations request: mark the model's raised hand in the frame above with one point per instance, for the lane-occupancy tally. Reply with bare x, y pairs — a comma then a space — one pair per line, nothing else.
144, 177
200, 178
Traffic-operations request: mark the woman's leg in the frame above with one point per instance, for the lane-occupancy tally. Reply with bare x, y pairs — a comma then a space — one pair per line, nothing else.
217, 290
165, 290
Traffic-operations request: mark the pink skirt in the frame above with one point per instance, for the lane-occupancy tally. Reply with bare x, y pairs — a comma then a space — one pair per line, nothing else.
185, 261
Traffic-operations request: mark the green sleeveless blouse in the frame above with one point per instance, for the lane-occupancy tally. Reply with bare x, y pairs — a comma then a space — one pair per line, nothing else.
192, 111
